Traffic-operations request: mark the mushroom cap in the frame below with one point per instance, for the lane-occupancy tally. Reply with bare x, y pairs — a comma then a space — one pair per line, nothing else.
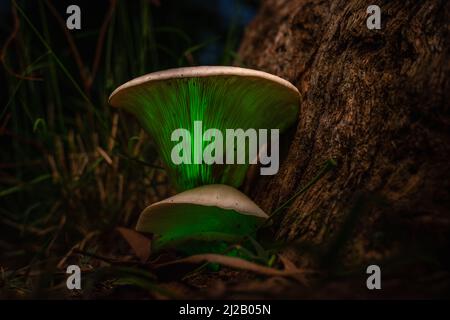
199, 72
204, 214
222, 97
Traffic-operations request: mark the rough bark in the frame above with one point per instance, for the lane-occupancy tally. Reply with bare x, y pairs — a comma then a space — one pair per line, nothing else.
376, 101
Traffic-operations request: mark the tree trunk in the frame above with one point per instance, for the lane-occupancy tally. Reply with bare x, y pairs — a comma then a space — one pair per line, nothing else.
375, 101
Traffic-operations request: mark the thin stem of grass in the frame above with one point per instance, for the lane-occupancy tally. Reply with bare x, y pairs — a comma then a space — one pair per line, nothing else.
141, 162
22, 186
4, 50
59, 63
73, 47
29, 69
329, 164
101, 40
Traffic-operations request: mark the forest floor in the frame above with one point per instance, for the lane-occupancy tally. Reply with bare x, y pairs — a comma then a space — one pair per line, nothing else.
129, 271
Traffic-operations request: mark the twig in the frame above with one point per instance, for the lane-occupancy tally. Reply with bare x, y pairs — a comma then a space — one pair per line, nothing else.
62, 223
8, 41
80, 245
101, 40
73, 47
238, 263
114, 128
104, 155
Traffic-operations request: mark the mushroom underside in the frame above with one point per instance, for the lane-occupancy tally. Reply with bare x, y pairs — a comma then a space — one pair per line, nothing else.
221, 98
185, 225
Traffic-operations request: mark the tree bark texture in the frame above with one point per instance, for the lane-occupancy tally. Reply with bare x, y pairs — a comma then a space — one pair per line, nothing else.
376, 101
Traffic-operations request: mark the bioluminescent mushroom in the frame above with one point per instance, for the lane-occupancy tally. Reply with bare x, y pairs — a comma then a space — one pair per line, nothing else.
221, 98
211, 210
204, 215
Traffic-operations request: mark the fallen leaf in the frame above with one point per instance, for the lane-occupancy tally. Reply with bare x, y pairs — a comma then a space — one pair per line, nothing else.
288, 264
140, 244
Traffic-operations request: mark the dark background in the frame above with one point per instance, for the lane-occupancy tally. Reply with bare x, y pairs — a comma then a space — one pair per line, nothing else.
212, 29
204, 22
56, 189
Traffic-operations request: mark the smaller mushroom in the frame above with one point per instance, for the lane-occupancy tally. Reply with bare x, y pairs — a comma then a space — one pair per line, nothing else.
201, 219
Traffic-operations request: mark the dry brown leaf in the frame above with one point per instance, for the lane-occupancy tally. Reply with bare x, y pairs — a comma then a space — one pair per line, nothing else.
288, 264
140, 244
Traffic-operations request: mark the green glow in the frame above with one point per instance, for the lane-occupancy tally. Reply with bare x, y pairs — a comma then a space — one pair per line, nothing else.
221, 102
206, 227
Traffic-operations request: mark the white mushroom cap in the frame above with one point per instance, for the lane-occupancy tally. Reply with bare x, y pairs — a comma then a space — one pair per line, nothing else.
213, 195
211, 212
199, 72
